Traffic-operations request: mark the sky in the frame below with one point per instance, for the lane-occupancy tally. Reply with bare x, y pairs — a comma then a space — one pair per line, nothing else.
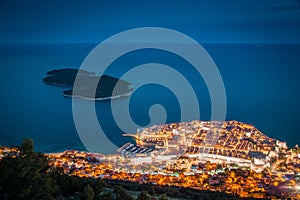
268, 21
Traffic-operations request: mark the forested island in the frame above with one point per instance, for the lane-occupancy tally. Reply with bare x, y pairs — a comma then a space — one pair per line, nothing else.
108, 87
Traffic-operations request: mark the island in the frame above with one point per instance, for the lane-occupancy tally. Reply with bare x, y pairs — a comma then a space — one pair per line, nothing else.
108, 87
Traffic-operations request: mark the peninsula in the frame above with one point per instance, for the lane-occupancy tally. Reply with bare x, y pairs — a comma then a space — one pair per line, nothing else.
91, 87
229, 158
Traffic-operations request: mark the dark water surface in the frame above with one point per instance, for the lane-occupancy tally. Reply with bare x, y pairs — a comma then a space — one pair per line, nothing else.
262, 85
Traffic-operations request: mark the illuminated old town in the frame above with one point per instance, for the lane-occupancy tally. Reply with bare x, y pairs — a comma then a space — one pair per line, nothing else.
230, 157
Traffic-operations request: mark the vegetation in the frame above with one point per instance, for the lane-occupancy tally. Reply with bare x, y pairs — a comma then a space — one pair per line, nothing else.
25, 174
121, 193
164, 197
91, 86
143, 196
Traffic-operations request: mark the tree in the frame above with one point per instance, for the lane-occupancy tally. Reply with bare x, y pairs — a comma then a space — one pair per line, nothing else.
27, 147
273, 160
23, 175
219, 166
121, 193
88, 193
143, 196
164, 197
151, 190
105, 196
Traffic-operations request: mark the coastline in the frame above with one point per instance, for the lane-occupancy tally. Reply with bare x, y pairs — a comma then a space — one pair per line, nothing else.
55, 84
100, 98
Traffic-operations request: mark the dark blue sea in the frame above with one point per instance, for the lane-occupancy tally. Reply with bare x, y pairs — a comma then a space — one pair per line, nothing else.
261, 81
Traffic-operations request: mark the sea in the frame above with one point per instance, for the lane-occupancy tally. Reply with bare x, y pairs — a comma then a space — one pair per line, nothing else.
261, 81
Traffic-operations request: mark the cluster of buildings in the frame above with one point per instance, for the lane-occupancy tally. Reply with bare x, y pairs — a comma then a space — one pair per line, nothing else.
231, 157
205, 175
6, 151
220, 142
